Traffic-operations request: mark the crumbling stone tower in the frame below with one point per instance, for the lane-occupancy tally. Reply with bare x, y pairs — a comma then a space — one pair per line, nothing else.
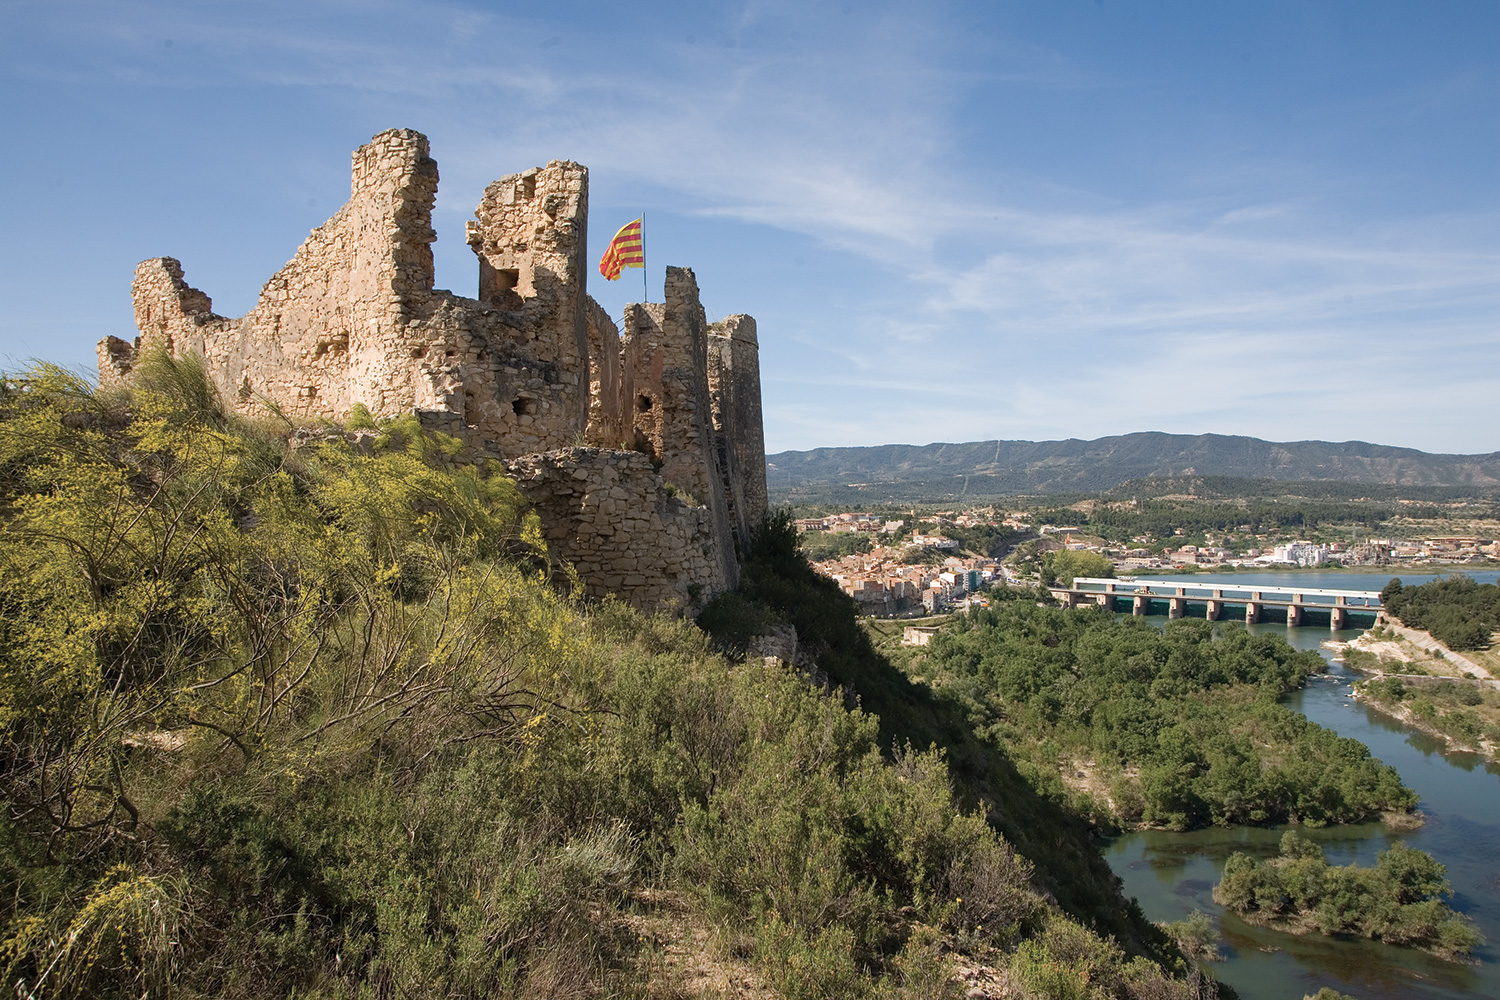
528, 371
734, 389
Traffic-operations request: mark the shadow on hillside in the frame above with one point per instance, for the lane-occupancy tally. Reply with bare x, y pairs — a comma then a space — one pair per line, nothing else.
778, 586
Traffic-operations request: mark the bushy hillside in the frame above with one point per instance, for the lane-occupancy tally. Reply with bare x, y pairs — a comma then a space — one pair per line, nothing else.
308, 722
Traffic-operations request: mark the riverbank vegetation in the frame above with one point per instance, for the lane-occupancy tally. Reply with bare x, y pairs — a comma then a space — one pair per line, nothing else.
1456, 611
1460, 711
1399, 901
1178, 728
311, 722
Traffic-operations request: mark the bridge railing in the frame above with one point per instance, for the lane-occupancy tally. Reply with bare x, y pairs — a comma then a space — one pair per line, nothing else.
1220, 591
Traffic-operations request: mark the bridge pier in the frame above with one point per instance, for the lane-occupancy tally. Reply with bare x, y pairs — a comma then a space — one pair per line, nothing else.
1140, 605
1339, 618
1293, 614
1215, 610
1252, 612
1176, 607
1106, 600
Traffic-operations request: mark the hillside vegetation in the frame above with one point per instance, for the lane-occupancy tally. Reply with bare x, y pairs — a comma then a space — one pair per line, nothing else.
1178, 728
1457, 611
309, 722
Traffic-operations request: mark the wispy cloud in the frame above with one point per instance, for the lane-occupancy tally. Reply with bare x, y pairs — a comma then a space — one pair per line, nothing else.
977, 291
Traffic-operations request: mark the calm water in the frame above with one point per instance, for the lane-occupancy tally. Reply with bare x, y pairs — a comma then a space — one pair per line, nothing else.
1336, 579
1174, 873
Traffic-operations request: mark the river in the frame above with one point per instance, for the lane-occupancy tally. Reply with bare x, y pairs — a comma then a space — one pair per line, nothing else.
1172, 874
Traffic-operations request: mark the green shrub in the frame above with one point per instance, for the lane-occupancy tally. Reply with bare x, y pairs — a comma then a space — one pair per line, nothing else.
1399, 900
314, 723
821, 546
1459, 612
1196, 935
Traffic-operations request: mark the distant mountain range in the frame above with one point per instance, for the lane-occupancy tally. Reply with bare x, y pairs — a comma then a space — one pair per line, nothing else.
995, 468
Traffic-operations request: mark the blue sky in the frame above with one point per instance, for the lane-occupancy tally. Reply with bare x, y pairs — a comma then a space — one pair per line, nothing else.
952, 221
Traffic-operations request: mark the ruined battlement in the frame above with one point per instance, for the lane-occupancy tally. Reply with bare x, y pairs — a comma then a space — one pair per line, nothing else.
528, 370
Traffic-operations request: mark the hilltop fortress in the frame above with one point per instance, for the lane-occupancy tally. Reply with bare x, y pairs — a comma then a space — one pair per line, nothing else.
640, 448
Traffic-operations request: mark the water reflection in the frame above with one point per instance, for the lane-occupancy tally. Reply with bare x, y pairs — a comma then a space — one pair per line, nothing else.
1261, 962
1305, 964
1172, 874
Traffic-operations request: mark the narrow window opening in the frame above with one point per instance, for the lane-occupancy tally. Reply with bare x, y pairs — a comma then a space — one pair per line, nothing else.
643, 403
528, 187
522, 406
507, 278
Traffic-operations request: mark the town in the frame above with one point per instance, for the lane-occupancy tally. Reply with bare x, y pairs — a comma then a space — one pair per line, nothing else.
906, 564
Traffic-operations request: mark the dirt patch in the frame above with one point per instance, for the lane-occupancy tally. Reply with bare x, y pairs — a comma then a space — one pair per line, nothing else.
1083, 776
1385, 650
977, 981
1396, 649
1419, 661
1420, 647
682, 957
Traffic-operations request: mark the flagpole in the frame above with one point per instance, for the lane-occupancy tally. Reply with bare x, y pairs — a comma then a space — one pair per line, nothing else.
645, 292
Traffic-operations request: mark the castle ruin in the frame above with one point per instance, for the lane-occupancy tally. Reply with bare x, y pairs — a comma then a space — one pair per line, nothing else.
640, 448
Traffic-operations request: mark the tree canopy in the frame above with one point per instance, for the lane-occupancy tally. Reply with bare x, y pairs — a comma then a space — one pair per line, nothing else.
1400, 900
1460, 613
1181, 726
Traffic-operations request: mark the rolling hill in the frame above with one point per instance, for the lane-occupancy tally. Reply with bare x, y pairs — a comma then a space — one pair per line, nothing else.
980, 468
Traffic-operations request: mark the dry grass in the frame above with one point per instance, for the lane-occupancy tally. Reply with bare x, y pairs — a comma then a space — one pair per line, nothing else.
1398, 654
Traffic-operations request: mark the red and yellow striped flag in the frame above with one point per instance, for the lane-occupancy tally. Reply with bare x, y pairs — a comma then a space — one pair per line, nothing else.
624, 251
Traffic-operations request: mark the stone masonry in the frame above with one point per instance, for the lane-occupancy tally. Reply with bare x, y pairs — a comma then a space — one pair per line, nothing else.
673, 480
606, 513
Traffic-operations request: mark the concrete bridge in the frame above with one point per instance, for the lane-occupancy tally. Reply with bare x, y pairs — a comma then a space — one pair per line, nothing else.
1252, 601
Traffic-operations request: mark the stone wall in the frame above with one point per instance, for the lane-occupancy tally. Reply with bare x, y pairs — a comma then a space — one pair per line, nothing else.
665, 358
531, 365
734, 388
608, 514
609, 425
335, 325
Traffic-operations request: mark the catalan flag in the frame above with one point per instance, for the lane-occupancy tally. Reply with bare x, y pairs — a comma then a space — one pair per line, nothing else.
624, 251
